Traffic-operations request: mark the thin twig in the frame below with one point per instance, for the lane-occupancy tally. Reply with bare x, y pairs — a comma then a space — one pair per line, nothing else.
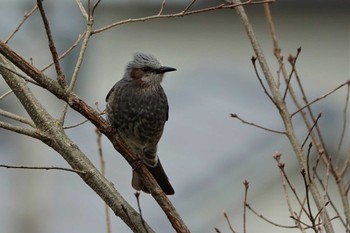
321, 97
345, 166
21, 130
291, 73
308, 200
6, 94
269, 221
75, 125
245, 205
283, 173
179, 14
321, 212
277, 157
261, 82
103, 171
188, 6
233, 115
94, 7
300, 221
25, 17
320, 144
316, 137
329, 199
228, 222
308, 135
137, 195
308, 162
82, 10
66, 52
83, 48
89, 10
345, 116
161, 7
29, 80
60, 76
43, 168
16, 117
77, 67
277, 50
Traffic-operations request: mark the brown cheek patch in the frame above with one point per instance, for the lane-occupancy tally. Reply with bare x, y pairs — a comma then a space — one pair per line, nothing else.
137, 74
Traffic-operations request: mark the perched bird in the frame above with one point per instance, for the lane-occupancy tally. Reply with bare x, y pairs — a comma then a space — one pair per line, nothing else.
137, 108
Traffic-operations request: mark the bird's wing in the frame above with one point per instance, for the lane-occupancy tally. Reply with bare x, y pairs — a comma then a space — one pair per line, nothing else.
109, 93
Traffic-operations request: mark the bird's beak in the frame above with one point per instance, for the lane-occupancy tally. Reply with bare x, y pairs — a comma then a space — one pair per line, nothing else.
164, 69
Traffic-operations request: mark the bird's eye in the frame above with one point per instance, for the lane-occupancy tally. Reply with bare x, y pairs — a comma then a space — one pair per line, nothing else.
146, 69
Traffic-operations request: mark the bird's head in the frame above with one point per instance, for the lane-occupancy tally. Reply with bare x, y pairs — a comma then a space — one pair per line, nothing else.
145, 70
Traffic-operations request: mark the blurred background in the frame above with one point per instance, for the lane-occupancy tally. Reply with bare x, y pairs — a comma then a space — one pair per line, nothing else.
206, 153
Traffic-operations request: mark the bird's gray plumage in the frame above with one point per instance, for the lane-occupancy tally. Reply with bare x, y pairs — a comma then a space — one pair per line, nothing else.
138, 108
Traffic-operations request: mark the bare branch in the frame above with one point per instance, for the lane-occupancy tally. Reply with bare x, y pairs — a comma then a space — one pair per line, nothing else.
233, 115
345, 116
26, 16
179, 14
161, 7
283, 110
321, 97
245, 205
308, 201
82, 10
16, 117
261, 82
137, 195
308, 162
77, 158
66, 52
307, 226
29, 80
59, 141
294, 61
188, 6
308, 135
281, 165
43, 168
228, 222
95, 6
84, 121
103, 171
60, 76
277, 157
77, 67
269, 221
21, 130
5, 94
345, 166
75, 125
83, 48
330, 200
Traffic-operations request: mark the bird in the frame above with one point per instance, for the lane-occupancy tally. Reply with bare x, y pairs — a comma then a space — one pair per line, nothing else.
137, 108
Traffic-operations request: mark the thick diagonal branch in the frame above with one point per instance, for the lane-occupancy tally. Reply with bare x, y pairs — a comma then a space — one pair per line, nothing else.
60, 142
94, 117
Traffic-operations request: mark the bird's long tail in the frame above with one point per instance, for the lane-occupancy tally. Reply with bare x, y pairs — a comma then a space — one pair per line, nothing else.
158, 174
